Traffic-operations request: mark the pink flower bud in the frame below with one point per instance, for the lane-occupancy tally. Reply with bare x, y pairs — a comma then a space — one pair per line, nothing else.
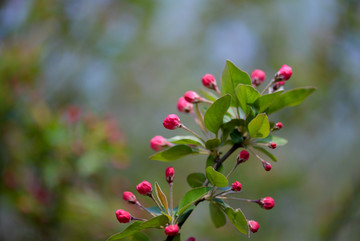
272, 145
253, 225
129, 197
123, 216
184, 106
236, 186
191, 239
172, 230
209, 81
266, 202
243, 157
277, 85
144, 188
157, 143
192, 97
267, 166
170, 174
278, 125
284, 73
257, 77
172, 122
73, 114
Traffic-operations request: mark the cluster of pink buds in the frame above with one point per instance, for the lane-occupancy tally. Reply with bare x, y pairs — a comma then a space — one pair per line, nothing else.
258, 77
145, 188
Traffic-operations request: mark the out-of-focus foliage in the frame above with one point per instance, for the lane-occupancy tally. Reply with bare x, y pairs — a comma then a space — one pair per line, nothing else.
59, 168
134, 58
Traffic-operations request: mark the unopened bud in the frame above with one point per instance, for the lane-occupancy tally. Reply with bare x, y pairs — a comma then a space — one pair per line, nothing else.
172, 230
209, 81
184, 106
278, 125
129, 197
284, 73
272, 145
267, 166
253, 225
191, 239
123, 216
236, 186
170, 174
172, 122
192, 97
243, 157
278, 84
257, 77
266, 202
157, 143
144, 188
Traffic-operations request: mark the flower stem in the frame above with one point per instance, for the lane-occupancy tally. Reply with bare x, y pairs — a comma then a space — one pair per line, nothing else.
157, 204
141, 206
192, 132
171, 199
268, 86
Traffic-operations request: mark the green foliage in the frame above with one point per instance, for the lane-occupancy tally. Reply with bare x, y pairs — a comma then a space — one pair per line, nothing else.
232, 76
290, 98
196, 179
138, 226
173, 153
161, 197
264, 101
278, 140
214, 115
212, 143
139, 237
246, 95
191, 197
216, 178
186, 140
237, 218
217, 214
266, 152
259, 127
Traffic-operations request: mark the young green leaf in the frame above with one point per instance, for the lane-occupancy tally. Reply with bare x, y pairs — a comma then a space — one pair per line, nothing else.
191, 197
231, 77
214, 115
173, 153
139, 237
186, 140
229, 126
217, 214
185, 215
266, 152
246, 95
210, 161
264, 101
216, 178
196, 179
161, 197
138, 226
278, 140
237, 218
259, 127
290, 98
155, 210
212, 143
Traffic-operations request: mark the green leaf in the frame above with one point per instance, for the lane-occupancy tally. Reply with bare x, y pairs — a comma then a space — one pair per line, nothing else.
155, 210
216, 178
264, 101
290, 98
259, 127
237, 218
177, 237
138, 226
173, 153
161, 197
139, 237
191, 197
186, 140
212, 143
266, 152
236, 136
217, 214
199, 118
247, 95
229, 126
196, 179
231, 77
214, 115
278, 140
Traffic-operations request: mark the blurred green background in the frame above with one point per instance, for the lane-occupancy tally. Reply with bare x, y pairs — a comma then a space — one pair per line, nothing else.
86, 84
